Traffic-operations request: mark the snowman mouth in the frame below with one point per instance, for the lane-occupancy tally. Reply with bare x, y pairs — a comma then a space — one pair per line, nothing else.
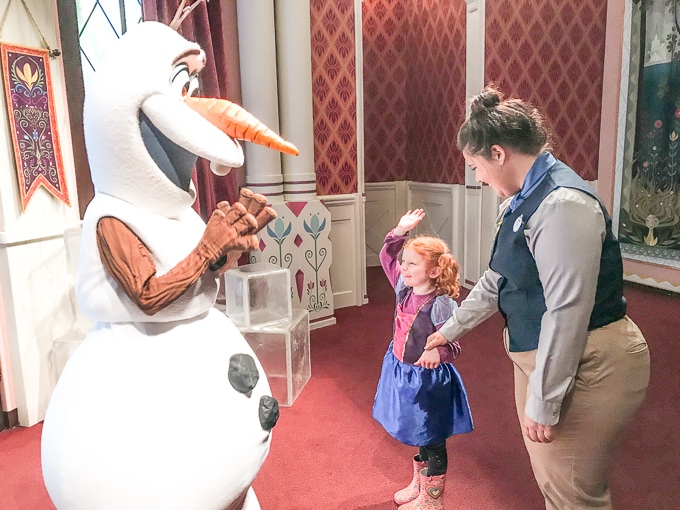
176, 163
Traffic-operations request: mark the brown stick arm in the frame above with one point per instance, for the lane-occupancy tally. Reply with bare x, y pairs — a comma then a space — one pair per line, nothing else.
230, 231
130, 264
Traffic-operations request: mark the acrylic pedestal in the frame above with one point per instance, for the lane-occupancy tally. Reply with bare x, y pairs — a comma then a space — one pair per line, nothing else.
283, 350
257, 294
258, 300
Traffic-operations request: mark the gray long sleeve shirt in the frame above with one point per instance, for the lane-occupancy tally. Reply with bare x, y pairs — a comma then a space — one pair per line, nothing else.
565, 236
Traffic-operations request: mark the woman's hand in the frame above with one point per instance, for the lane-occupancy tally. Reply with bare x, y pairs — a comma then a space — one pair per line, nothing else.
429, 359
537, 432
435, 340
409, 221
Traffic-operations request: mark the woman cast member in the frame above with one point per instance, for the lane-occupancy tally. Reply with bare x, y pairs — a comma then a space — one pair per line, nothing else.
581, 365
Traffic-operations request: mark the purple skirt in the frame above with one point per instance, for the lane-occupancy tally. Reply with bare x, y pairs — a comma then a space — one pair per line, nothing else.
421, 406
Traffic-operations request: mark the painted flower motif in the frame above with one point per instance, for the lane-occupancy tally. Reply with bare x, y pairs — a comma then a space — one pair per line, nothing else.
279, 232
658, 124
673, 136
322, 283
677, 113
33, 115
645, 164
314, 228
27, 76
310, 285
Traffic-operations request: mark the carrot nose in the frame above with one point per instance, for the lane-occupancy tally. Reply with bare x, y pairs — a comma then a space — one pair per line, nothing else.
236, 122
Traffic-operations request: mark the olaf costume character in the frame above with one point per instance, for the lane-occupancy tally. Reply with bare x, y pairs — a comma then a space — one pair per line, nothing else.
164, 405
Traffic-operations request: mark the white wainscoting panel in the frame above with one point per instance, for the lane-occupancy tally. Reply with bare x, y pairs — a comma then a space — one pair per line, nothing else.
444, 206
348, 272
385, 204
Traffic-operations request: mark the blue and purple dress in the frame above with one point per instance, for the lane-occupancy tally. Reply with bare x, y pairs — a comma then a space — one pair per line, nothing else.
418, 406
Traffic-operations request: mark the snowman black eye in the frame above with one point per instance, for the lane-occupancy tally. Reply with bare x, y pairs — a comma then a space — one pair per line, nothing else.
182, 82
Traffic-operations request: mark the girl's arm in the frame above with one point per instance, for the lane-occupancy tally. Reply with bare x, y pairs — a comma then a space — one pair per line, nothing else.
388, 256
395, 240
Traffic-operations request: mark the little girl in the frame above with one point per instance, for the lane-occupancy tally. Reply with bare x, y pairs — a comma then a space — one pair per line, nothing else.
420, 399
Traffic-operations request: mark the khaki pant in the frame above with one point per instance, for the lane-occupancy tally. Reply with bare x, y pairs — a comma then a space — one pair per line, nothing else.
609, 388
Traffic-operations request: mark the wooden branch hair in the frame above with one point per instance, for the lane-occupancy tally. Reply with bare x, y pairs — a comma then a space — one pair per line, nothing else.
183, 10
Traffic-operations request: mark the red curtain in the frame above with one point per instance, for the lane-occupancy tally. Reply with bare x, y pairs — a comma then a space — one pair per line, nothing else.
204, 26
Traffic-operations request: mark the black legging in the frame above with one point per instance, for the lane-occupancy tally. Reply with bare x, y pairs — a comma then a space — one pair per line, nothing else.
435, 455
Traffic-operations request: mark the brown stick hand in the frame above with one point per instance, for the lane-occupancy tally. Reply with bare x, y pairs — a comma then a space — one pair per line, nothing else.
256, 204
229, 228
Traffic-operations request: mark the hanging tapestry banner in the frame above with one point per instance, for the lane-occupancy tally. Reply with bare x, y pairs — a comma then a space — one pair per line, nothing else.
649, 210
33, 122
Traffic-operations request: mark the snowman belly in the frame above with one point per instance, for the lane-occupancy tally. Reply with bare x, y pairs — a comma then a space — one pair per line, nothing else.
188, 440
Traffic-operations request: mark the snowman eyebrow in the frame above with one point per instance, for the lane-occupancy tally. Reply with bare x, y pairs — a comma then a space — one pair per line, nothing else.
186, 54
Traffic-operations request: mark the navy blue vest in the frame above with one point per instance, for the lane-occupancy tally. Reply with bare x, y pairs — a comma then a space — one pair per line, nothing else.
520, 292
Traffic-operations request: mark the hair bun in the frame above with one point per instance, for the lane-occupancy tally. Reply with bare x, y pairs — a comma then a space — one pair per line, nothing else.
488, 98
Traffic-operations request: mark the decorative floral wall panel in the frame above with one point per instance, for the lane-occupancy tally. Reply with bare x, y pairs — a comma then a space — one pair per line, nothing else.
298, 240
552, 54
334, 96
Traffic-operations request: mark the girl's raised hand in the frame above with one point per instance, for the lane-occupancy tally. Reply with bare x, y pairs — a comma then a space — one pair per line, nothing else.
409, 221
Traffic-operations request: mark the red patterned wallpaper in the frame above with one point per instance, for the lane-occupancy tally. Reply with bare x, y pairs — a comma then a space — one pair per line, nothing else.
436, 90
552, 54
386, 25
414, 89
334, 96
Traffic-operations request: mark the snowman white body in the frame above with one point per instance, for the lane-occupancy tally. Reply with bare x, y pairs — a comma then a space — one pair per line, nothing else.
144, 416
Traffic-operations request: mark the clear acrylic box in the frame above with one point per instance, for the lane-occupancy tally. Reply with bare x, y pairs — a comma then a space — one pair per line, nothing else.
283, 351
257, 294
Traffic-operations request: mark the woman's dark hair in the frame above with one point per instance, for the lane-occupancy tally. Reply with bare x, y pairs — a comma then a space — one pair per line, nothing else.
506, 122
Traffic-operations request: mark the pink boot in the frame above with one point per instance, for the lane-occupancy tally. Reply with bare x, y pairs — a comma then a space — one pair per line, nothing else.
431, 492
411, 491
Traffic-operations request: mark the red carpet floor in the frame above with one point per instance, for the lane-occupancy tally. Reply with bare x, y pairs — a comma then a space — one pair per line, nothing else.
329, 454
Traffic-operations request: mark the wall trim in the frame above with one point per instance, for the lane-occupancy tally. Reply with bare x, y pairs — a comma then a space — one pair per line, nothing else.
359, 91
651, 282
384, 203
10, 419
33, 235
348, 270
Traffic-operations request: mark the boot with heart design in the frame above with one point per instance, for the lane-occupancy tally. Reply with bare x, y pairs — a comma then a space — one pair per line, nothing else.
431, 493
411, 491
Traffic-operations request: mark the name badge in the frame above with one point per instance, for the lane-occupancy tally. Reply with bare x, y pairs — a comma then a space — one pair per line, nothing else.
518, 223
